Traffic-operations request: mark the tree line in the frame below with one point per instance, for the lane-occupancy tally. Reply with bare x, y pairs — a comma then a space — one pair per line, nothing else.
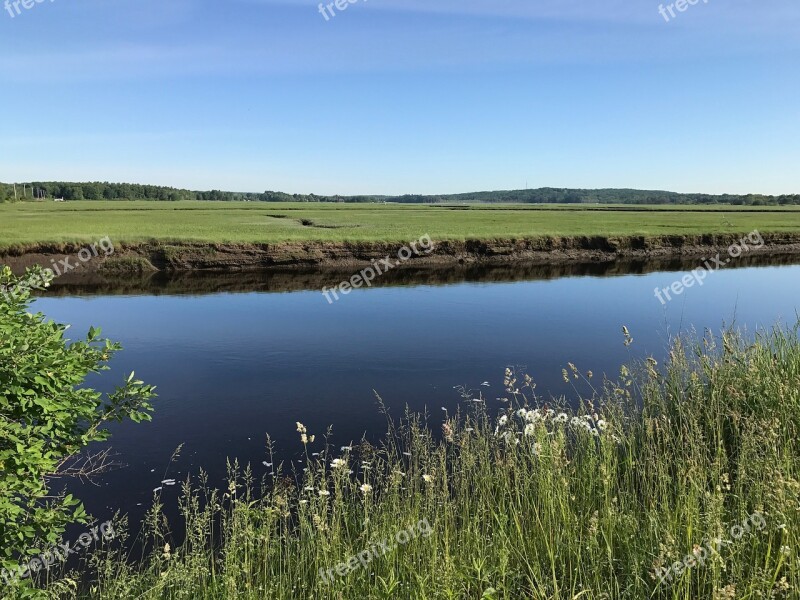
133, 191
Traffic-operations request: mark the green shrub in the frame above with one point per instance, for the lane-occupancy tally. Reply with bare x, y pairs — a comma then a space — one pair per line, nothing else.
48, 421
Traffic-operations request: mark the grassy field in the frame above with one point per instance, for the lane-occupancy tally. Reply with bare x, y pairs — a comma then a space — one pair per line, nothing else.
673, 482
29, 223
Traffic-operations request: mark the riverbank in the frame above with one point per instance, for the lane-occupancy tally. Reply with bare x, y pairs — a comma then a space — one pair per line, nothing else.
226, 257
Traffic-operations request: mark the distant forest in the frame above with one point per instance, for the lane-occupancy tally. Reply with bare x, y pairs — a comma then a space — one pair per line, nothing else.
132, 191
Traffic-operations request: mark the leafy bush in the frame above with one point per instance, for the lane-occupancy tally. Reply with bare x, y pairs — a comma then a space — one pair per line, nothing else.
48, 419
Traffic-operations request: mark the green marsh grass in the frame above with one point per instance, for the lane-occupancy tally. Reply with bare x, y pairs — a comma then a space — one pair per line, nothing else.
26, 224
528, 500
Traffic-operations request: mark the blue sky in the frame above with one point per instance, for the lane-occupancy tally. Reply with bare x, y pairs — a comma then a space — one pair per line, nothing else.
403, 96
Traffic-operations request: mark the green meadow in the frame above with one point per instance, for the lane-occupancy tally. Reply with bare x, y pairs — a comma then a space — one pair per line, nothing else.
29, 223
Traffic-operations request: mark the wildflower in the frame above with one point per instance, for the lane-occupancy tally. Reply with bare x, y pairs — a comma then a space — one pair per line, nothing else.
602, 425
308, 488
533, 416
562, 418
447, 432
338, 463
726, 593
300, 427
167, 551
427, 478
319, 523
628, 338
323, 493
589, 374
786, 550
537, 448
521, 413
530, 429
502, 421
366, 488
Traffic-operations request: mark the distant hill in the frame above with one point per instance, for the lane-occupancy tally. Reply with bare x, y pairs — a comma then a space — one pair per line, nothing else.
133, 191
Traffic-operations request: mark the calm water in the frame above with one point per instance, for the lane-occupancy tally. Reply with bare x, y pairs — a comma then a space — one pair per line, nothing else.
238, 356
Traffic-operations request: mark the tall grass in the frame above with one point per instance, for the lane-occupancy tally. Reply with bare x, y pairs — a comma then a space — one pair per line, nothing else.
534, 501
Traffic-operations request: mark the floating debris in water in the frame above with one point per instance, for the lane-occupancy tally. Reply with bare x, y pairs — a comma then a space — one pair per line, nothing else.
168, 482
266, 464
485, 384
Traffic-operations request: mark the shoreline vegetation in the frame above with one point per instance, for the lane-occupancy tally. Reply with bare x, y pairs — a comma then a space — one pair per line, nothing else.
230, 236
676, 481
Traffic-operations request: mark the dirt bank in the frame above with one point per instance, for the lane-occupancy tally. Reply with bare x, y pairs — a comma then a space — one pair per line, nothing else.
171, 257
